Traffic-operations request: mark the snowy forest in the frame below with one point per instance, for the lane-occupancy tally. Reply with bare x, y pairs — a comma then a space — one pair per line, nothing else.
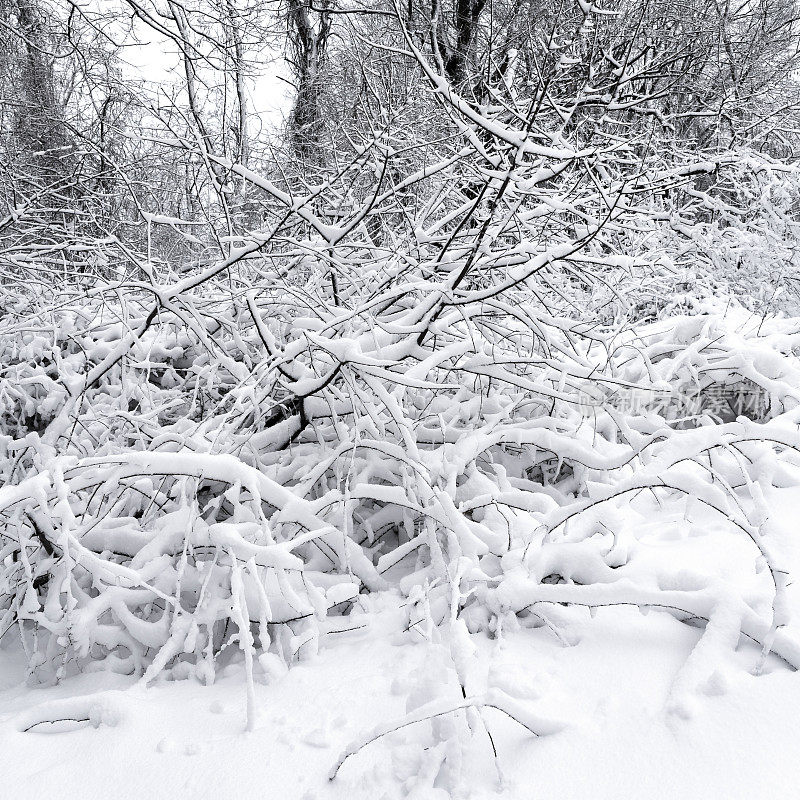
399, 399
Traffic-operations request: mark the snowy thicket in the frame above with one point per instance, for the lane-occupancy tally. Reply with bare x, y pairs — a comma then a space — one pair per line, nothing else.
460, 361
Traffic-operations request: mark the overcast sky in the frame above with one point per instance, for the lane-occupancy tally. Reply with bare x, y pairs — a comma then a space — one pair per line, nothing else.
155, 58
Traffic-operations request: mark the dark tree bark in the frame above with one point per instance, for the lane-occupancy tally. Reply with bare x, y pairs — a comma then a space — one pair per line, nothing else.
37, 127
308, 38
457, 46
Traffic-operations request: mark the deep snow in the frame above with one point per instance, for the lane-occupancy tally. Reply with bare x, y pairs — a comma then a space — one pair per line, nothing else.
179, 739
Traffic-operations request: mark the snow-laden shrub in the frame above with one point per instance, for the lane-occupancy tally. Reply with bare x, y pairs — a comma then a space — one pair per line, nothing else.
736, 236
143, 561
460, 410
476, 502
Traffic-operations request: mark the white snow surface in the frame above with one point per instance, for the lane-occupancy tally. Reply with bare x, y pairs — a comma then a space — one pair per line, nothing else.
738, 737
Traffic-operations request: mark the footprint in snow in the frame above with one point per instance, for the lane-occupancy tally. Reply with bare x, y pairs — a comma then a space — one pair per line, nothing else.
166, 745
318, 738
715, 685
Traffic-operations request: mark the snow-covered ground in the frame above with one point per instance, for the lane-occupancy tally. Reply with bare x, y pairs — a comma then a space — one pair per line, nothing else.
614, 688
